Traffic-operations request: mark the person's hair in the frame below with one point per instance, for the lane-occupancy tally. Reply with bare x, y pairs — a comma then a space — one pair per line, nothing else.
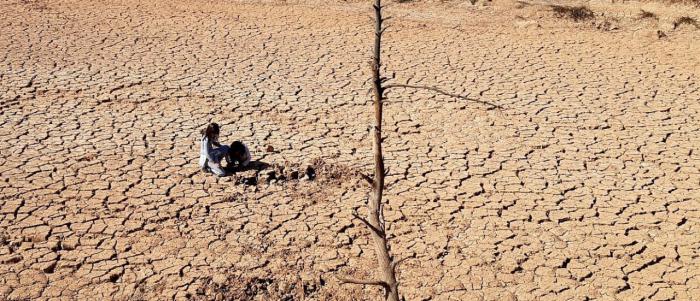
211, 131
237, 150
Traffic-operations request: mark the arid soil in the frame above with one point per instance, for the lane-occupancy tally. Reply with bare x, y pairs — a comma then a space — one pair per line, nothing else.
583, 183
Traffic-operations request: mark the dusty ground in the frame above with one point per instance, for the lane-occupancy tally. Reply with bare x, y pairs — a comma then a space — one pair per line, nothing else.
585, 185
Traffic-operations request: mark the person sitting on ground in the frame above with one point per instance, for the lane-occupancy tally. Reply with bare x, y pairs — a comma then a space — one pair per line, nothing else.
212, 152
239, 153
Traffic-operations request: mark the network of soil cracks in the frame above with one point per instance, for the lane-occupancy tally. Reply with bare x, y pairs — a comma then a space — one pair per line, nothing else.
583, 184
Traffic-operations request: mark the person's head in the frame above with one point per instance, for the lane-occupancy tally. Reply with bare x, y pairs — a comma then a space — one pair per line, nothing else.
237, 151
211, 132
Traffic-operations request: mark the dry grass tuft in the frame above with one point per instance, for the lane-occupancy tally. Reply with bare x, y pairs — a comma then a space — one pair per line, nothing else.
575, 13
683, 2
647, 15
39, 5
685, 20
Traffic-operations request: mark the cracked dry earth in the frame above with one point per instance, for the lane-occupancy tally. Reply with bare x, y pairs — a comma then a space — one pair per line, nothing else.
584, 185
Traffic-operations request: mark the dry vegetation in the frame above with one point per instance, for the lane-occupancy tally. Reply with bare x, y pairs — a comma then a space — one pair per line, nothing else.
682, 2
37, 5
574, 13
643, 14
685, 20
374, 221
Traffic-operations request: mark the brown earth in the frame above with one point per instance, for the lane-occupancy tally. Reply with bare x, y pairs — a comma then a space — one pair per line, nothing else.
583, 185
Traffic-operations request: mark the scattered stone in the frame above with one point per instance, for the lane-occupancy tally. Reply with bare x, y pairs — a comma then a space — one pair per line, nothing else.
310, 173
270, 176
250, 181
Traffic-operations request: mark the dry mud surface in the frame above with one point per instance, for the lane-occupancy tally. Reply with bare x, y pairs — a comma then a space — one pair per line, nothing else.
583, 185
